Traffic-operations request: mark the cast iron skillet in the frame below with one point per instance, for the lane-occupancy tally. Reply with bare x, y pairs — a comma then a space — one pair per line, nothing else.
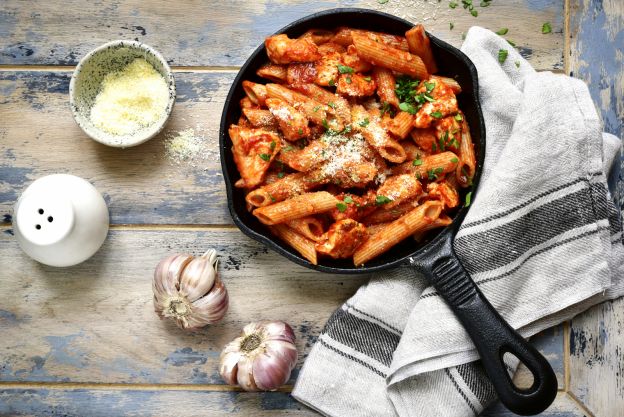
492, 336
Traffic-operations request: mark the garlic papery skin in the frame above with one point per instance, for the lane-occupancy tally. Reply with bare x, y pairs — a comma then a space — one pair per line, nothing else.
188, 290
261, 358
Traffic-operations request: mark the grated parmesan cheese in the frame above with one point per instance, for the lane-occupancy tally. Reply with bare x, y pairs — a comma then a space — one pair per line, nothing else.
130, 99
342, 152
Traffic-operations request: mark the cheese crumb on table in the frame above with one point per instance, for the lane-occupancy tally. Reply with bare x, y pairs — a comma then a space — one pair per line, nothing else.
130, 99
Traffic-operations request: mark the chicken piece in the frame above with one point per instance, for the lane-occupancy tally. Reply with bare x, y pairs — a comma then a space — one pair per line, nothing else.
283, 50
398, 189
444, 192
356, 85
253, 151
301, 73
293, 124
327, 69
342, 239
444, 102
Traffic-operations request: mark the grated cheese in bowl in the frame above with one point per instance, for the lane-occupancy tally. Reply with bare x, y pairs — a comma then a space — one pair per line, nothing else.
130, 99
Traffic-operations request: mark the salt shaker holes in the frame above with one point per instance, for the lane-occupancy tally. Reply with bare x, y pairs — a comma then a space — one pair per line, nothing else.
38, 227
50, 219
40, 211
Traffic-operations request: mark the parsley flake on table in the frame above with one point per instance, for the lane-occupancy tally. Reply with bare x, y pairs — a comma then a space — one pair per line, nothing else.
364, 122
452, 5
342, 207
502, 31
512, 43
546, 28
265, 157
345, 69
468, 199
474, 13
382, 1
485, 3
451, 25
436, 114
502, 55
517, 64
381, 200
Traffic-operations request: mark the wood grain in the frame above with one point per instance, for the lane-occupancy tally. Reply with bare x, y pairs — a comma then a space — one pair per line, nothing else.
563, 406
597, 359
148, 403
225, 33
144, 184
95, 322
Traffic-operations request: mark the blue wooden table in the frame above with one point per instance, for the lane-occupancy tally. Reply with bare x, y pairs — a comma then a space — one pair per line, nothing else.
84, 341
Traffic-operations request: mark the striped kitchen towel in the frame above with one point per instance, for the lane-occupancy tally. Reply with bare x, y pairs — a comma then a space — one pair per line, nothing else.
543, 240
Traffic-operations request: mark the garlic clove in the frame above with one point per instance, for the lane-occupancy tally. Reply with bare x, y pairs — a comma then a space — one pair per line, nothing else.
170, 268
198, 277
228, 366
211, 308
272, 368
244, 376
278, 330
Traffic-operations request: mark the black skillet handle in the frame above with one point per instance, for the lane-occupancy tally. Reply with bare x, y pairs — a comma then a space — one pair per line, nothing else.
490, 333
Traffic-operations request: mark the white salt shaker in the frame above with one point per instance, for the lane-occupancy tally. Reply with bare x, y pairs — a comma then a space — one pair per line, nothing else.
60, 220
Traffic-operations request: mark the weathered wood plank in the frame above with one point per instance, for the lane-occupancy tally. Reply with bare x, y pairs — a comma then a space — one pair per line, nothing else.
563, 406
225, 33
95, 322
149, 403
550, 343
597, 359
145, 184
597, 56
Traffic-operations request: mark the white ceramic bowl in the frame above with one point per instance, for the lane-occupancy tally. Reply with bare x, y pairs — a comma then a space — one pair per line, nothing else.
60, 220
87, 78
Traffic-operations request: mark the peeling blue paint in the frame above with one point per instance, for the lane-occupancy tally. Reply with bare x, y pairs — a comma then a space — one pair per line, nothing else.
278, 401
186, 356
64, 351
7, 317
13, 180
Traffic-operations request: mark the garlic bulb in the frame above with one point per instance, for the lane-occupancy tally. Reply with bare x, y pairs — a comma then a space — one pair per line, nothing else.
189, 290
261, 358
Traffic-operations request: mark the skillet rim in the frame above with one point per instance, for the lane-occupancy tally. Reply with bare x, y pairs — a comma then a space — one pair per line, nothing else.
268, 240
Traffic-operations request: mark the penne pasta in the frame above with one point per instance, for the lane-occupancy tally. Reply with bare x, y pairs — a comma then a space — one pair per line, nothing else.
299, 243
441, 221
430, 167
312, 109
468, 162
373, 229
273, 72
260, 118
384, 216
299, 206
309, 227
334, 102
386, 85
385, 56
256, 92
397, 231
412, 151
419, 44
281, 189
401, 125
318, 36
376, 136
344, 37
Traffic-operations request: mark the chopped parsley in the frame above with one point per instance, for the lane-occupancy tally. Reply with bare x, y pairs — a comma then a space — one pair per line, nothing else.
451, 25
474, 12
368, 78
417, 162
502, 55
546, 28
433, 147
364, 122
485, 3
433, 173
288, 148
316, 108
331, 104
429, 86
344, 69
454, 160
300, 131
407, 107
468, 199
325, 124
348, 199
385, 108
517, 64
502, 31
332, 83
382, 1
405, 88
273, 144
452, 5
280, 174
458, 117
442, 140
436, 114
348, 80
342, 207
265, 157
381, 200
512, 43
